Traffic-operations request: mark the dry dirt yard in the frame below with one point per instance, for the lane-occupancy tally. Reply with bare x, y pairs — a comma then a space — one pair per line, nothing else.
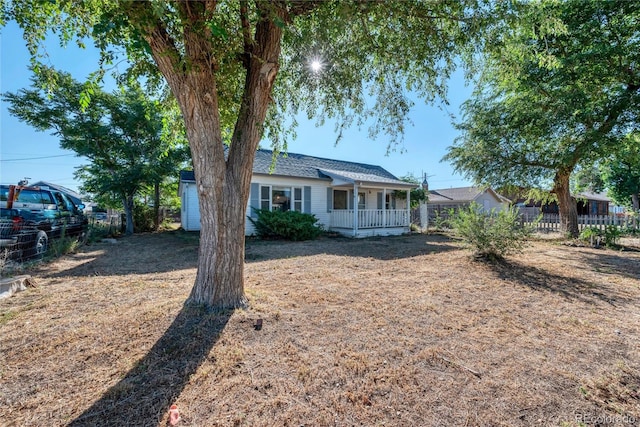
403, 331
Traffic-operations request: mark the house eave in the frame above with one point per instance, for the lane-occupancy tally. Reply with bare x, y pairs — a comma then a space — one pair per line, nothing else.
319, 178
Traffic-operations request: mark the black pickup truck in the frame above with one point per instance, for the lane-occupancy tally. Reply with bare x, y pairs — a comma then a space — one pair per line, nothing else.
33, 215
20, 238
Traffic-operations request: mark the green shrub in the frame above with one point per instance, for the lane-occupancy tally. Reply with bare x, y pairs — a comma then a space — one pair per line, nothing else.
143, 216
290, 225
595, 236
490, 235
441, 223
98, 231
63, 245
611, 235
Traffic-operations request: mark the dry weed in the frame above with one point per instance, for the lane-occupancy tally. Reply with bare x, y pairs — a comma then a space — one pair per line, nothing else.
388, 331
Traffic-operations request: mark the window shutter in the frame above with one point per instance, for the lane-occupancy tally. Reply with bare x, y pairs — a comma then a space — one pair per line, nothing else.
254, 199
350, 197
329, 199
380, 206
307, 199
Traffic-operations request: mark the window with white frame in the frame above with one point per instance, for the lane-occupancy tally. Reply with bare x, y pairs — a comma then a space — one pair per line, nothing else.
281, 198
390, 201
340, 199
265, 197
362, 201
297, 199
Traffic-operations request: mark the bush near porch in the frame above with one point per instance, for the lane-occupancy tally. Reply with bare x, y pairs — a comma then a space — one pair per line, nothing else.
288, 225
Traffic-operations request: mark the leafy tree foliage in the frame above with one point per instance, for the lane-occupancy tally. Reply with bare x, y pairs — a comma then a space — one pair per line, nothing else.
560, 87
416, 195
622, 172
588, 178
239, 68
120, 133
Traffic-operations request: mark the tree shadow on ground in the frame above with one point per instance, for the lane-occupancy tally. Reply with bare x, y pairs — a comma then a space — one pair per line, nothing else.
571, 288
150, 253
143, 253
144, 395
611, 262
382, 248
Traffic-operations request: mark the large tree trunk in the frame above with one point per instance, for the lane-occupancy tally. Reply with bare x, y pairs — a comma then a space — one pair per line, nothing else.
635, 202
223, 185
127, 202
156, 206
566, 203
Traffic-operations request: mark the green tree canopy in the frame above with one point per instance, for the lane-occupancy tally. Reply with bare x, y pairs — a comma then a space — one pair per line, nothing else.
560, 87
622, 172
416, 195
121, 133
239, 69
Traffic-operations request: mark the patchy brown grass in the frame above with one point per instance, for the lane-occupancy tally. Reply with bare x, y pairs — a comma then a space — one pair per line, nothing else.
405, 331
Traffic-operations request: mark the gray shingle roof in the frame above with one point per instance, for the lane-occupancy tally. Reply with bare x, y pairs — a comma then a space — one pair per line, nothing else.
366, 178
303, 166
461, 194
589, 195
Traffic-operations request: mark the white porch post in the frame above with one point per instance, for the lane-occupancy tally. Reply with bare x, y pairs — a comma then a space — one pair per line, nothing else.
355, 209
409, 209
384, 208
424, 216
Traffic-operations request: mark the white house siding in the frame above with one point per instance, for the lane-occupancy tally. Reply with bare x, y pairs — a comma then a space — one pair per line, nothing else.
318, 196
488, 202
190, 218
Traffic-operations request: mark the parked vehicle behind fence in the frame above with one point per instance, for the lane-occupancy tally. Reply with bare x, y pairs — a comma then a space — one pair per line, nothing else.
20, 238
34, 215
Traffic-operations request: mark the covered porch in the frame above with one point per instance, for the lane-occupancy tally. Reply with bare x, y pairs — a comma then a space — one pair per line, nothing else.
362, 205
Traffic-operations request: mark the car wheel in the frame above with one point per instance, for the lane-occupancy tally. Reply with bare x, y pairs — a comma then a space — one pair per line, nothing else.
42, 244
39, 247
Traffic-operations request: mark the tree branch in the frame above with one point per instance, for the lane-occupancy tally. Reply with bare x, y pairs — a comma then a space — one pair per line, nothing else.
303, 7
154, 32
246, 32
262, 69
197, 35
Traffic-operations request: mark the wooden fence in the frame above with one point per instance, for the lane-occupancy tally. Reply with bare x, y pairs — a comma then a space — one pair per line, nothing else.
551, 222
112, 221
547, 222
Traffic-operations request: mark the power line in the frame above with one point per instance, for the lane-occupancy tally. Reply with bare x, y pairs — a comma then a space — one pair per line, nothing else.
35, 158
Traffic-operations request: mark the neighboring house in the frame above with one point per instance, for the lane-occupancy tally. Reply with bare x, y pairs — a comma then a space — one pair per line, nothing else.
592, 203
587, 203
353, 199
441, 201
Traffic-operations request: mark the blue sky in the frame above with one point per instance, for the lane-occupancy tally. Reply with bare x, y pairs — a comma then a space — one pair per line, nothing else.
25, 152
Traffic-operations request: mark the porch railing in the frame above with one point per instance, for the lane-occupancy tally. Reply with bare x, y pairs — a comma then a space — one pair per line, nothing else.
370, 218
